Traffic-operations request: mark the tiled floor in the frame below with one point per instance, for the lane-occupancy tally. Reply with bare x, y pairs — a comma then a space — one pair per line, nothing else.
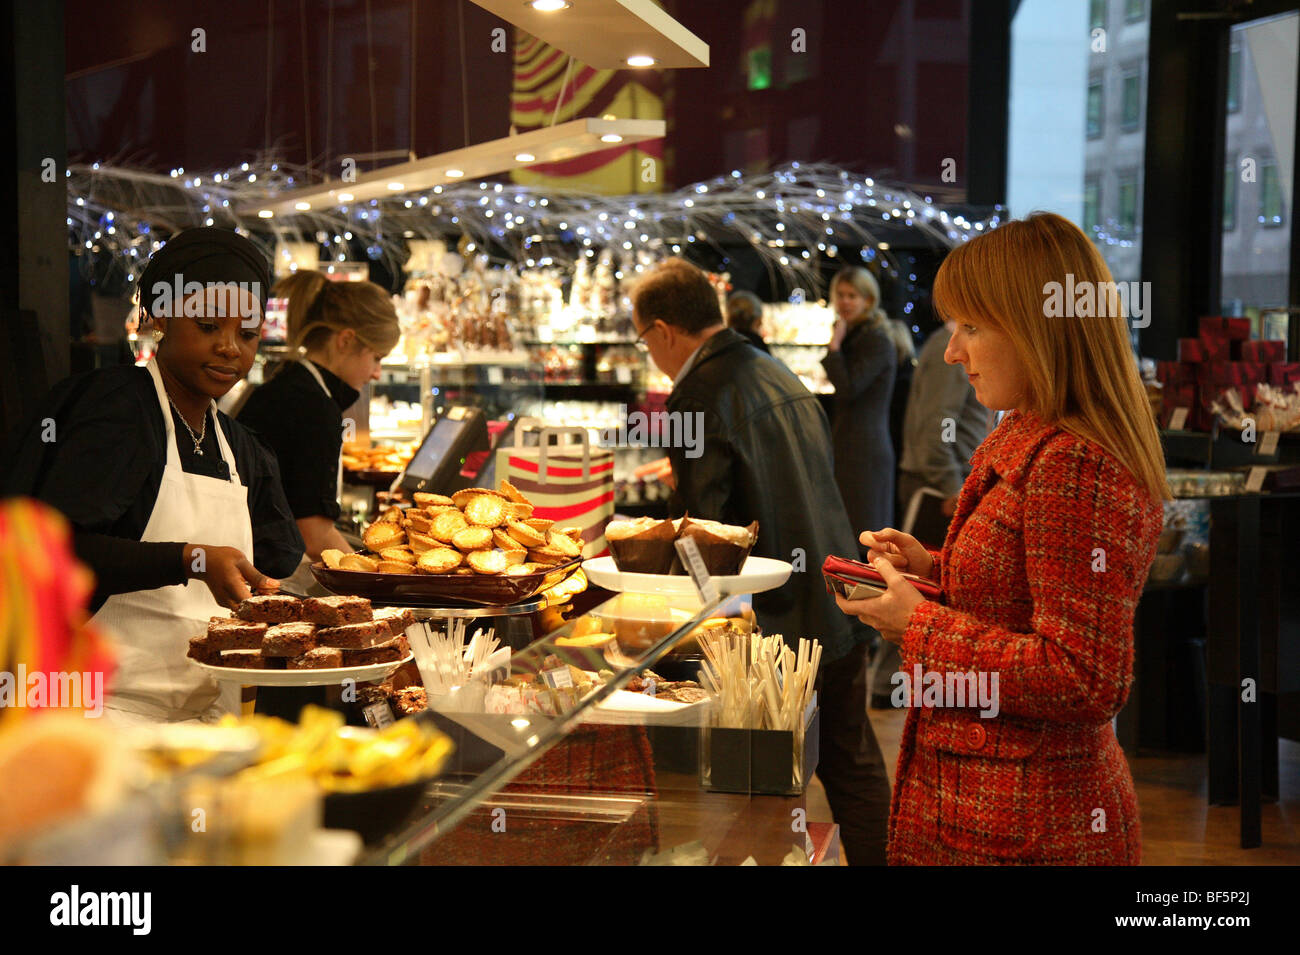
1178, 828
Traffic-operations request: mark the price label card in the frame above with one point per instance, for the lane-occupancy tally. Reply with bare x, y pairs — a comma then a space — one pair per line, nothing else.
623, 375
1178, 419
558, 677
1255, 480
495, 376
704, 584
378, 715
1267, 444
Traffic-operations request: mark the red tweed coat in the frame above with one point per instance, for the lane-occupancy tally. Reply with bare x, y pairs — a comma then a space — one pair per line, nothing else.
1041, 571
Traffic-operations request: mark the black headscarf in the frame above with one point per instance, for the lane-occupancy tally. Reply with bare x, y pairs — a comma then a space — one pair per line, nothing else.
206, 255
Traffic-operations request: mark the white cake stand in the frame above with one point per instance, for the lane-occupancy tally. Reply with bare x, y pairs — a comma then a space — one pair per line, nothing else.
757, 575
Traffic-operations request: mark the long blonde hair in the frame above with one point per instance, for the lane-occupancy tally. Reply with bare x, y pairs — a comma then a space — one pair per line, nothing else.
1082, 372
318, 308
865, 284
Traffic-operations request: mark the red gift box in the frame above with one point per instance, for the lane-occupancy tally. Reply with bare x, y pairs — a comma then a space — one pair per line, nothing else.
1191, 349
1216, 346
1263, 351
1251, 372
1218, 326
1175, 373
1283, 373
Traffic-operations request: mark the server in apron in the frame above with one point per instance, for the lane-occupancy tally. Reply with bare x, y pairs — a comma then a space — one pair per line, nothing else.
341, 330
177, 509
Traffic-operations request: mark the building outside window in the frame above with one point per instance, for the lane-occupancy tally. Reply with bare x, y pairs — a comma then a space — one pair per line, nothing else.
1134, 10
1132, 101
1234, 78
1097, 15
1095, 109
1230, 195
1127, 203
1091, 207
1270, 196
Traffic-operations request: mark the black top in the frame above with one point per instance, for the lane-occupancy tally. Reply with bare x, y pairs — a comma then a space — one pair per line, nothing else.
95, 452
304, 427
754, 338
766, 456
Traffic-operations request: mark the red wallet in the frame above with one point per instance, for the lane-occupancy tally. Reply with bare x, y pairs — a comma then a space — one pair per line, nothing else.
858, 581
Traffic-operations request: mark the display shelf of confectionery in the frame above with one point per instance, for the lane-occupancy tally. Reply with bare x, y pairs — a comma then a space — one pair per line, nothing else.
571, 761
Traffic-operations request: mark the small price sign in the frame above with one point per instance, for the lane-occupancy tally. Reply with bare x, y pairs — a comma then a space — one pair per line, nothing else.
558, 677
1255, 480
699, 573
378, 715
623, 375
1267, 444
1178, 419
495, 376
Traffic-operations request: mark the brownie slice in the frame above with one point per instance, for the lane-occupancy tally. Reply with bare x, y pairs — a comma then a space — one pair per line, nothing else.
355, 636
247, 660
289, 639
390, 652
319, 659
236, 635
336, 611
202, 651
397, 618
409, 701
270, 608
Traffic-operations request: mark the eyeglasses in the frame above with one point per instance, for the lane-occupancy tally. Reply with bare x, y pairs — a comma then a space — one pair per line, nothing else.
640, 342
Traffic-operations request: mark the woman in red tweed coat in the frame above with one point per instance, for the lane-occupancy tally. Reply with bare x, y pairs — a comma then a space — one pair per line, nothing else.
1041, 571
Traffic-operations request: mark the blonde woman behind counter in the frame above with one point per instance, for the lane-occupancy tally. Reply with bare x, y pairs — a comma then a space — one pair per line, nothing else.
342, 330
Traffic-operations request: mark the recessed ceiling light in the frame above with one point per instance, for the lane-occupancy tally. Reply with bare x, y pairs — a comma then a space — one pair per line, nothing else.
302, 206
525, 157
265, 214
548, 6
611, 138
455, 173
396, 186
640, 61
345, 197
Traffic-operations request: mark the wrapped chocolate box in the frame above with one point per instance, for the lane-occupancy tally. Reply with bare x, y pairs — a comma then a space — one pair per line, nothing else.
1263, 351
1191, 350
1282, 374
1218, 326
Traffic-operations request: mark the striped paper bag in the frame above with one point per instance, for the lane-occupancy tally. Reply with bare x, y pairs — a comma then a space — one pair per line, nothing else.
572, 485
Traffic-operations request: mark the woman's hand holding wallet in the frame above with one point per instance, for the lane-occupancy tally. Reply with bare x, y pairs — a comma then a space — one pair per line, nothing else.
892, 553
228, 574
903, 551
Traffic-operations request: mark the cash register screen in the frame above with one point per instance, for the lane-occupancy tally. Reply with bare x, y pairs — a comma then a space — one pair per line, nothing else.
435, 447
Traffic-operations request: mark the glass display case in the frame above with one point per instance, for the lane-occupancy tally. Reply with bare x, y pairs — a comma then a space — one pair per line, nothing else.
597, 751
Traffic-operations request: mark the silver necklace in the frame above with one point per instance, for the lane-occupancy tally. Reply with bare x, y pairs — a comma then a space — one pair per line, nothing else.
203, 429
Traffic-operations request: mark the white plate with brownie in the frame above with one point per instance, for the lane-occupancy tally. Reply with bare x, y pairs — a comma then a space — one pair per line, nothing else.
278, 640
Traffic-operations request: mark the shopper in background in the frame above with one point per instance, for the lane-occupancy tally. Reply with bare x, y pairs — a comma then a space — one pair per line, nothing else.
905, 349
177, 509
745, 315
944, 425
342, 329
1053, 535
764, 456
862, 362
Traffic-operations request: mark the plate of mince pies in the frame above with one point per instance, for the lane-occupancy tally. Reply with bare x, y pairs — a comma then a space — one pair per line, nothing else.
477, 546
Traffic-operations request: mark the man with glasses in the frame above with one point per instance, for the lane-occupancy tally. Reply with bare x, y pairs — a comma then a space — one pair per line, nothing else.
765, 456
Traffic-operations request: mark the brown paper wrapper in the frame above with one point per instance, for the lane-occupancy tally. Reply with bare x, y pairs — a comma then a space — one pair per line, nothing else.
650, 552
722, 558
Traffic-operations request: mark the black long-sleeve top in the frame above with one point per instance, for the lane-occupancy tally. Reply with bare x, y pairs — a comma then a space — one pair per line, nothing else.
96, 453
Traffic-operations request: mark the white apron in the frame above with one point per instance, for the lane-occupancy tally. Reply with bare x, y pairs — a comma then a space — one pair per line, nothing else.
303, 581
154, 680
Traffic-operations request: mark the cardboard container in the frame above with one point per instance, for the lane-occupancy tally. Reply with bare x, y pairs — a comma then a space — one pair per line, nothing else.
759, 761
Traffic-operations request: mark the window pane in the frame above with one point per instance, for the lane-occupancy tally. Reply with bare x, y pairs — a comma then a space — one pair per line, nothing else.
1132, 103
1097, 14
1134, 10
1094, 110
1234, 79
1230, 195
1259, 135
1270, 196
1126, 217
1091, 207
